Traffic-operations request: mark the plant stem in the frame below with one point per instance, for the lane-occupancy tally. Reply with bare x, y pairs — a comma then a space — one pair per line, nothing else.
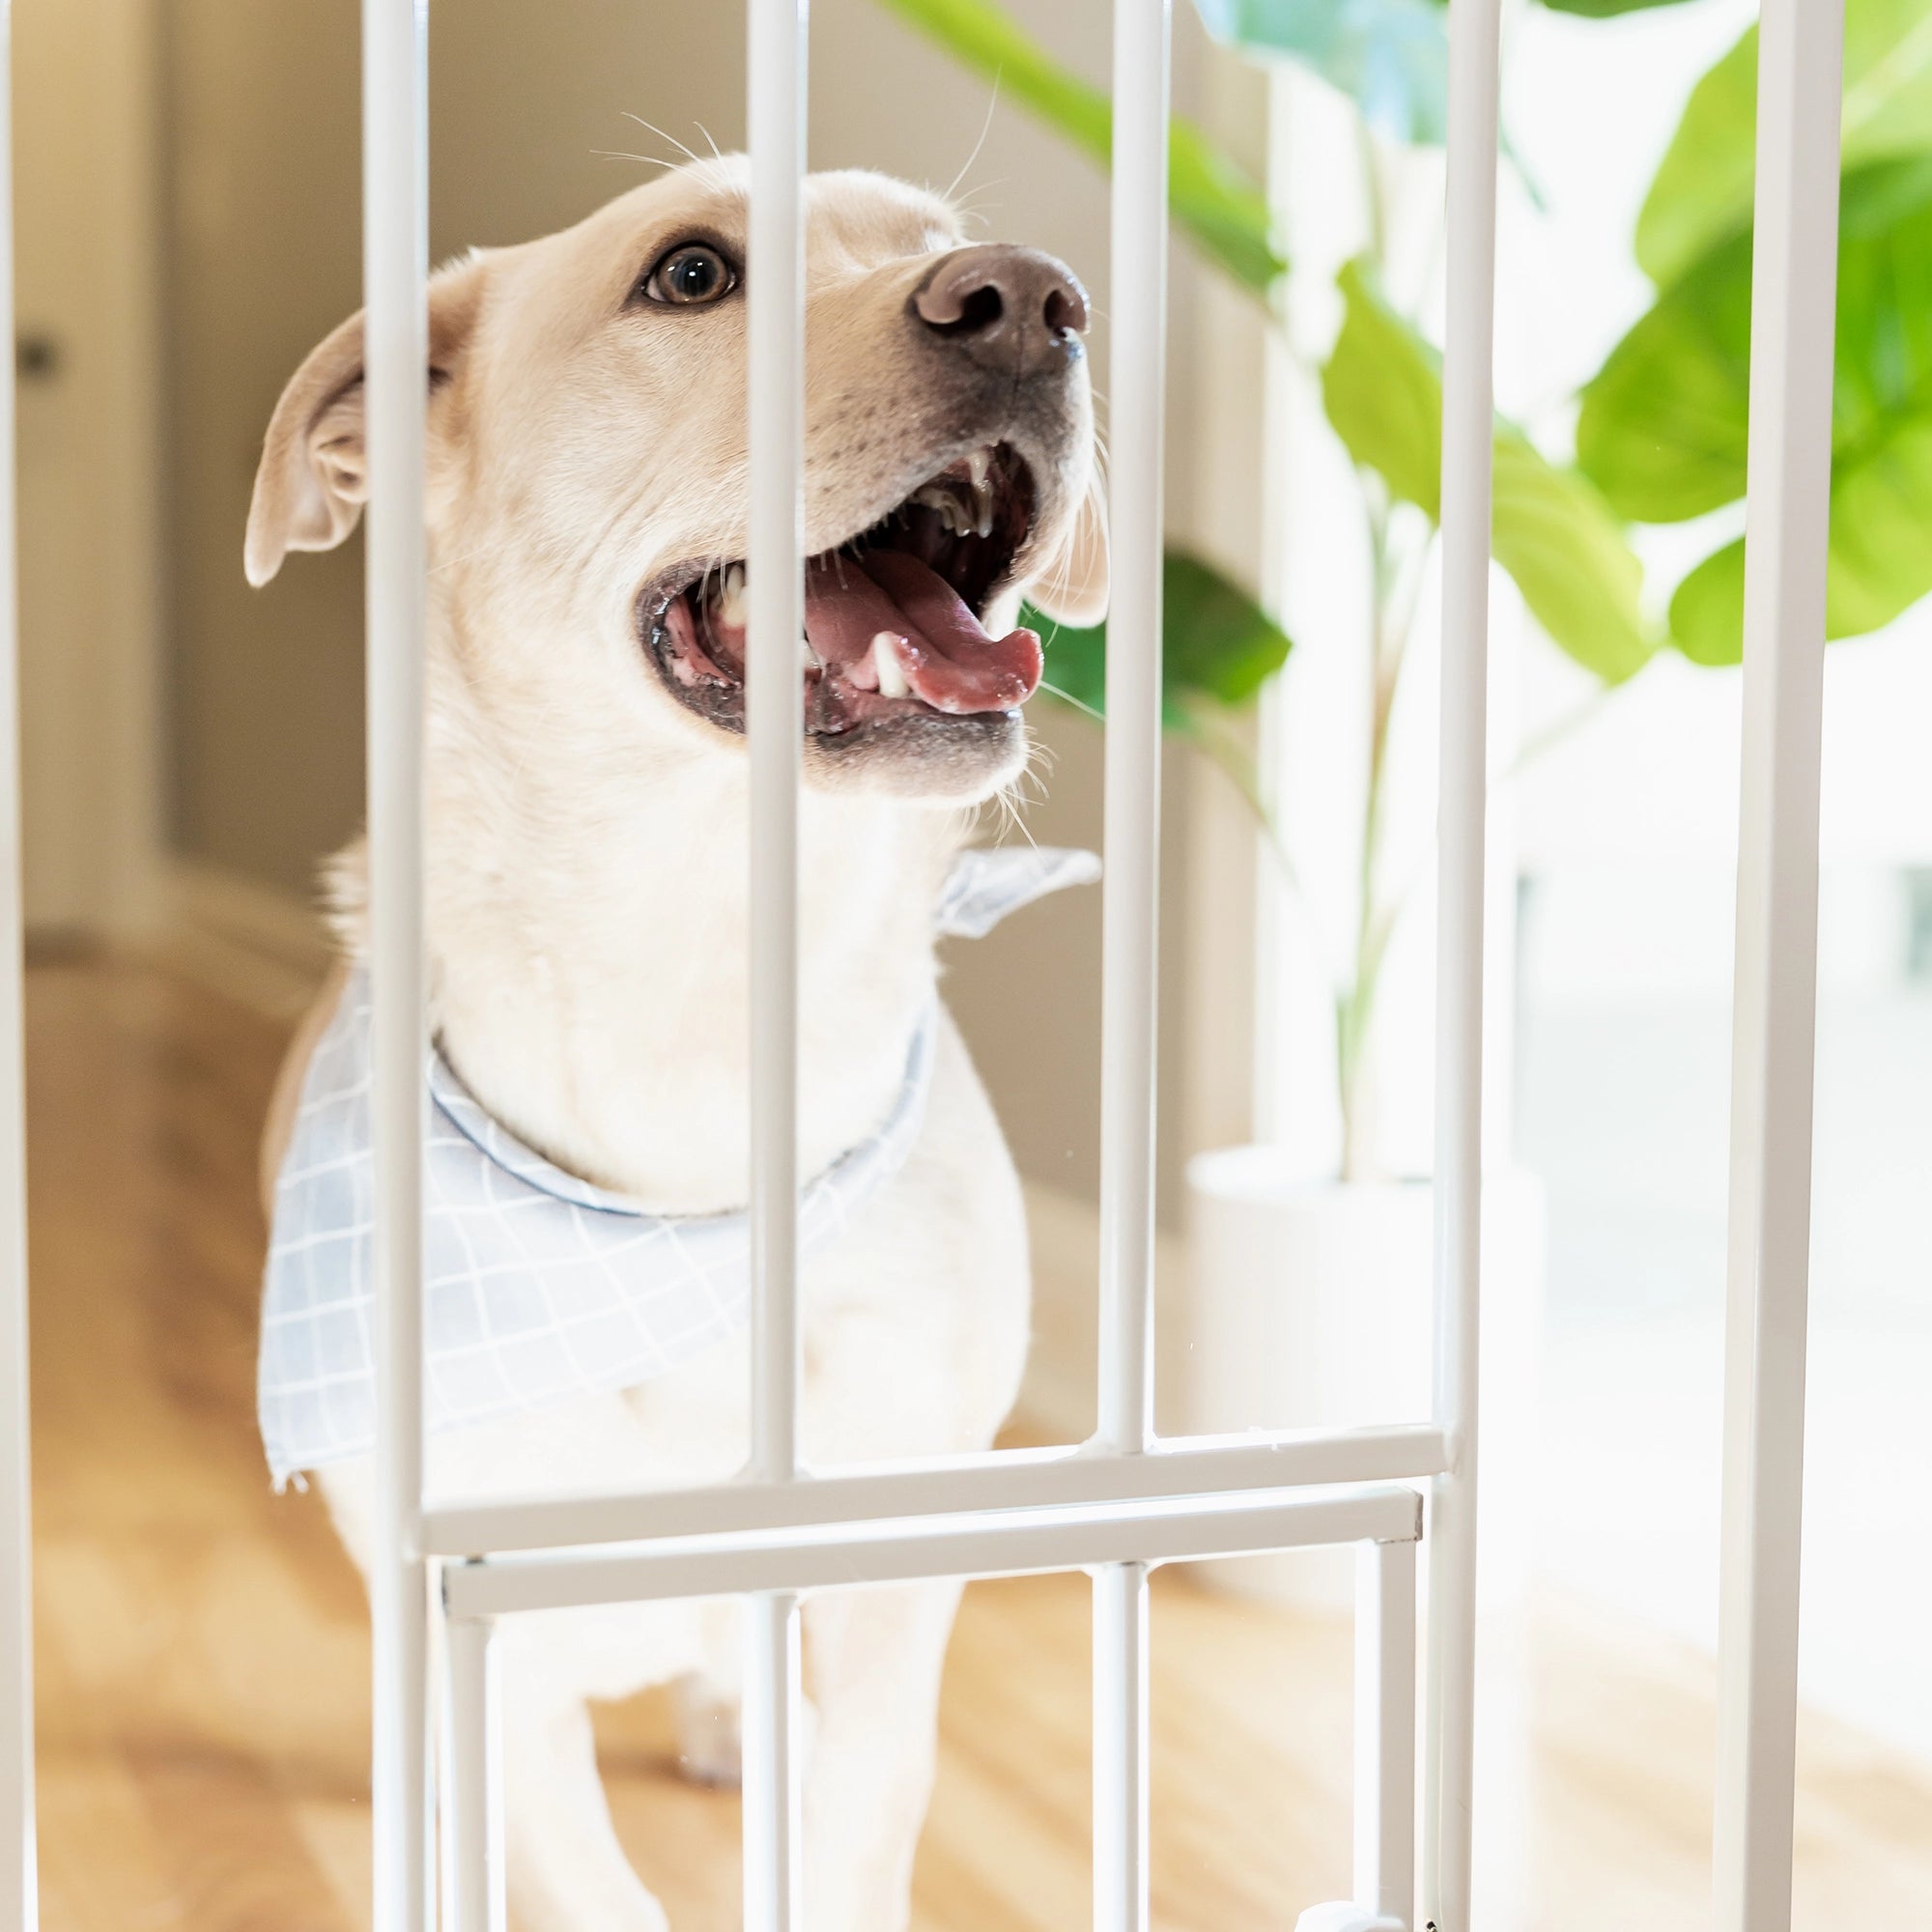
1356, 1000
1389, 626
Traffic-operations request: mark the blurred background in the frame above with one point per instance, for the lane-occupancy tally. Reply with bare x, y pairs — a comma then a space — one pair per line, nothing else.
187, 216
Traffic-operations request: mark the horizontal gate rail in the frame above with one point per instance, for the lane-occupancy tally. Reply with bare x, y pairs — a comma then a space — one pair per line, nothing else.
1006, 1479
1171, 1529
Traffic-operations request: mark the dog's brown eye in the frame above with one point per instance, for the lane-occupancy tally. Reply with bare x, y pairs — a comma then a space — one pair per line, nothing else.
694, 271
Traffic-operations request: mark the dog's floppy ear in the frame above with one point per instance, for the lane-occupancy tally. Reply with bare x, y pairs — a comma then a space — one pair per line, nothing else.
313, 478
1072, 587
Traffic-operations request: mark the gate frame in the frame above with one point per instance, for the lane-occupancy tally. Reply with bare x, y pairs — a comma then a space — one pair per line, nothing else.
1125, 1500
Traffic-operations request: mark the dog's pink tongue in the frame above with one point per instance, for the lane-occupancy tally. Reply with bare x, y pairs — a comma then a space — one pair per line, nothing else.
948, 662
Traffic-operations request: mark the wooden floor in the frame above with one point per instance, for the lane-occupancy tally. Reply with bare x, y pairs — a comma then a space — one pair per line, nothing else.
203, 1657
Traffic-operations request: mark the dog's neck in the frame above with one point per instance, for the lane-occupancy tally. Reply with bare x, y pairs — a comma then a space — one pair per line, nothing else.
588, 944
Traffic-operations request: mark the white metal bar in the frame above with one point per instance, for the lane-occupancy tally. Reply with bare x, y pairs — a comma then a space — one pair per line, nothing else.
1130, 903
1467, 416
1793, 311
774, 714
1006, 1479
1122, 1818
772, 1812
395, 268
1130, 921
774, 720
475, 1779
19, 1907
1010, 1544
1385, 1730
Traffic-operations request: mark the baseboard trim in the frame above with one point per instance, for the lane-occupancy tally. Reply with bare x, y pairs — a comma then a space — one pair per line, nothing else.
266, 949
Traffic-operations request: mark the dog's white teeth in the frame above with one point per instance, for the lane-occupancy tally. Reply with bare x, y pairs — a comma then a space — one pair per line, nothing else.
964, 506
807, 658
734, 605
944, 501
979, 471
885, 662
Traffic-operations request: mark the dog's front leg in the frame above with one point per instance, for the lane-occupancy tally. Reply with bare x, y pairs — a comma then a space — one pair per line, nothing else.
566, 1870
874, 1659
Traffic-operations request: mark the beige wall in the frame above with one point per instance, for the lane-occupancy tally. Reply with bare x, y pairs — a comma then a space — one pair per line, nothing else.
86, 285
265, 736
265, 745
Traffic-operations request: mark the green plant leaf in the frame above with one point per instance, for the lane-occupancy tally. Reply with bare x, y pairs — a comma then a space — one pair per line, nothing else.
1390, 57
1552, 532
1702, 190
1880, 562
1707, 610
1383, 391
1209, 194
1217, 643
1663, 426
1216, 639
1661, 430
1570, 558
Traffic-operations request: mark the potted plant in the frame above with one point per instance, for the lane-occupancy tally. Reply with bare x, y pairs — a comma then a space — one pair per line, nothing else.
1307, 1297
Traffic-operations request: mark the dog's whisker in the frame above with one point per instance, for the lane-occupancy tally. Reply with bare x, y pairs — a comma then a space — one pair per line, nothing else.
651, 128
986, 129
623, 155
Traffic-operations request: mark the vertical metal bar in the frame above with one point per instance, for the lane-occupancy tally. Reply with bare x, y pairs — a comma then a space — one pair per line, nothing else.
772, 1812
395, 267
1385, 1730
19, 1907
774, 708
1794, 290
1130, 931
773, 719
1468, 413
476, 1778
1130, 906
1122, 1824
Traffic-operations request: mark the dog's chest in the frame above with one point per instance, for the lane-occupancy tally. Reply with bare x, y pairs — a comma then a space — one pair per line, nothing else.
541, 1288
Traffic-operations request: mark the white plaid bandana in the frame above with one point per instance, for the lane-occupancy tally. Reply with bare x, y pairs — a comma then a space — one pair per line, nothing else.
537, 1287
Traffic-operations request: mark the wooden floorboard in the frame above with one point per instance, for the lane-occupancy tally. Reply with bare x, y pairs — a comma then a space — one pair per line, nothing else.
203, 1654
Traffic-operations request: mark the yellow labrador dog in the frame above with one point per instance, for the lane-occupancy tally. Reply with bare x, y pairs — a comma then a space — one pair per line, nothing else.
587, 893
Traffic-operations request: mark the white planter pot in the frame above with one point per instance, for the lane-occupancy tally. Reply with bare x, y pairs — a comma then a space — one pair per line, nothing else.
1307, 1305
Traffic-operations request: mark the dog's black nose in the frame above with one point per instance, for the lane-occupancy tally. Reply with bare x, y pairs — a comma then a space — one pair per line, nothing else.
1010, 309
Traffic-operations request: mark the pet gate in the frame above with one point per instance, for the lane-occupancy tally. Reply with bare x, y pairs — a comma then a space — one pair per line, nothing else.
1125, 1501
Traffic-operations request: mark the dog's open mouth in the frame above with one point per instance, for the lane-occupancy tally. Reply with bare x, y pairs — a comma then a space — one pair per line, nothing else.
892, 616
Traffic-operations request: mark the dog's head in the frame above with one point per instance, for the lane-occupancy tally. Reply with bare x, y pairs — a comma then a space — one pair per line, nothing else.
588, 486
